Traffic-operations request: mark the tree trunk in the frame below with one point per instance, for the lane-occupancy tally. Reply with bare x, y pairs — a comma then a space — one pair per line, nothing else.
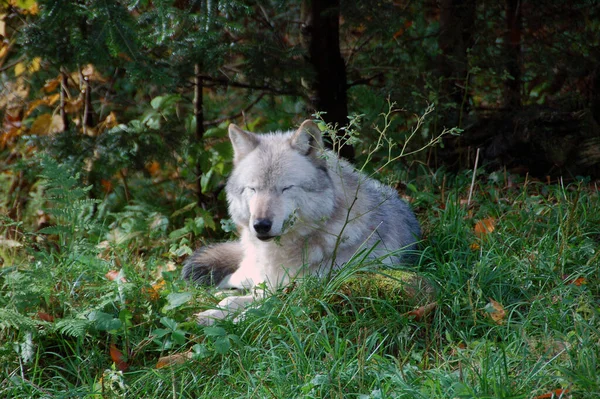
329, 87
457, 24
512, 86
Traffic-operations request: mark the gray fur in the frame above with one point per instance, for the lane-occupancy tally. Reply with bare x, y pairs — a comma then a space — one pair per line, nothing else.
299, 210
211, 264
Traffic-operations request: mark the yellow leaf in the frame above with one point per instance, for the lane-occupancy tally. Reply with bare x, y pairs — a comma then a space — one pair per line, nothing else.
92, 74
495, 311
5, 48
47, 124
74, 105
48, 100
52, 99
41, 125
153, 292
19, 68
475, 247
35, 65
25, 4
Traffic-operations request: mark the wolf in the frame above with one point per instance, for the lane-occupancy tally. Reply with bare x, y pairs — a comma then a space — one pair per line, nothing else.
299, 210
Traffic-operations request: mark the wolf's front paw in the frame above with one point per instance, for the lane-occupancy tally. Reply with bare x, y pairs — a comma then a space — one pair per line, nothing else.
226, 307
209, 317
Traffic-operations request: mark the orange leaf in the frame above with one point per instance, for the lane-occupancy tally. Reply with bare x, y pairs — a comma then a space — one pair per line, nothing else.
153, 168
403, 29
178, 358
422, 311
496, 311
46, 317
475, 247
107, 185
154, 290
51, 85
484, 227
113, 274
118, 358
557, 393
579, 281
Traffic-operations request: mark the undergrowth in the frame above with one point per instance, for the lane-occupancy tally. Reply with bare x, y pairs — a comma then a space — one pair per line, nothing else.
93, 305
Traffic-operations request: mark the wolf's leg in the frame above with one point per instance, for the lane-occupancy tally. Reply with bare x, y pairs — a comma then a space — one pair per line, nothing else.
211, 264
225, 308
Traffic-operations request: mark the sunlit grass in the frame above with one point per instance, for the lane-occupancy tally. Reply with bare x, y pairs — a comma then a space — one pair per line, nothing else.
515, 315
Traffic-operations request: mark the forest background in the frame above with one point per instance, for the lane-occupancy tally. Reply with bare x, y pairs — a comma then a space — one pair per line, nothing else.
114, 152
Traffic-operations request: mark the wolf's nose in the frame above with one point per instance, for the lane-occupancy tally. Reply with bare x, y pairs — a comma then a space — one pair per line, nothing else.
262, 226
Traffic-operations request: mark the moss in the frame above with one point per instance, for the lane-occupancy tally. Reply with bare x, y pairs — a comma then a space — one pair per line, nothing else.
398, 287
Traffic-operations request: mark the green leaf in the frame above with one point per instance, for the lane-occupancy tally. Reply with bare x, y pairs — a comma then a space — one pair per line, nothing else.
179, 337
176, 299
185, 209
169, 323
215, 332
222, 345
200, 351
160, 332
104, 321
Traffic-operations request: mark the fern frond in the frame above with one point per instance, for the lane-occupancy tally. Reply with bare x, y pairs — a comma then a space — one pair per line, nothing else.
76, 328
11, 318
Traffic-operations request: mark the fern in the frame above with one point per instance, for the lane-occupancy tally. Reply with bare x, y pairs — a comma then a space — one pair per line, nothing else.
72, 210
73, 327
16, 320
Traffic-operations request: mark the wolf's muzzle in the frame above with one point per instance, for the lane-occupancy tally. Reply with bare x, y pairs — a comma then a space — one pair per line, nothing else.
262, 227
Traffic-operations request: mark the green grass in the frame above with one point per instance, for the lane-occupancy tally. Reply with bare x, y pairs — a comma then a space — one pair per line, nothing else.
350, 337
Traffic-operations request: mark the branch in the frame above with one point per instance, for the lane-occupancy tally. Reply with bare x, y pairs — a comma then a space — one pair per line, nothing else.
365, 80
232, 83
241, 113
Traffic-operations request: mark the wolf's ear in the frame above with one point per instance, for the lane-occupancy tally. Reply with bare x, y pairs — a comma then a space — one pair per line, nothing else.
308, 138
243, 142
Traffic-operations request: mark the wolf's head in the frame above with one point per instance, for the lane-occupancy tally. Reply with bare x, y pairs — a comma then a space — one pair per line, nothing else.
280, 181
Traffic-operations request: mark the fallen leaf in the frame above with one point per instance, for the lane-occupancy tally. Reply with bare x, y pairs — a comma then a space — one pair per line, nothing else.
556, 394
112, 275
46, 317
118, 358
484, 227
178, 358
8, 243
496, 311
579, 281
422, 311
153, 291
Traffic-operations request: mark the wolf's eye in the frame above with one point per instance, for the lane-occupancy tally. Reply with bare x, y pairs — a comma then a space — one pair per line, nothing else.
251, 190
283, 190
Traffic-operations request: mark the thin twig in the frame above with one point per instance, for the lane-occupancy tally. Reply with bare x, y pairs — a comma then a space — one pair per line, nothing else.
230, 117
473, 180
